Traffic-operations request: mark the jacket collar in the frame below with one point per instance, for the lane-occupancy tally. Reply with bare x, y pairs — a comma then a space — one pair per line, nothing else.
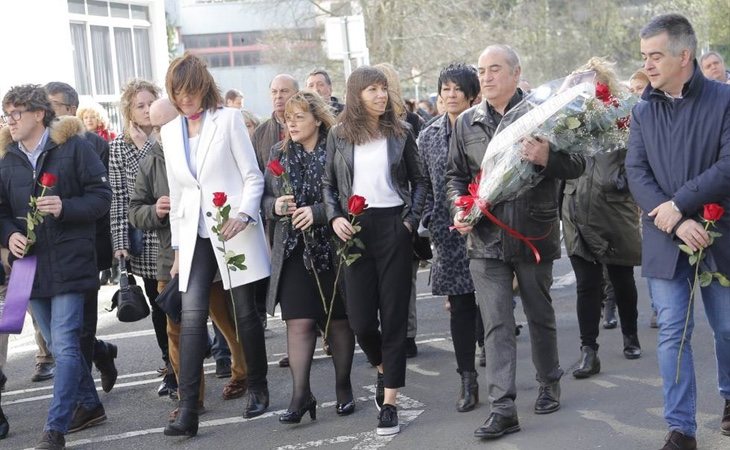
691, 88
485, 114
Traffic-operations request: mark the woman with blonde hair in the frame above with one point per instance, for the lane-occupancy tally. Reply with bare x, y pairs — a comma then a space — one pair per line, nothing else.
601, 227
96, 120
302, 250
125, 154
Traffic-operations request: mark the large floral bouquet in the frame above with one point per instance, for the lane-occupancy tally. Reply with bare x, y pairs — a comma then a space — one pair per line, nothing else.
575, 114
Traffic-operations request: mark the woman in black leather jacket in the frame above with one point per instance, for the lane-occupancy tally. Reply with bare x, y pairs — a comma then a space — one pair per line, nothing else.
371, 153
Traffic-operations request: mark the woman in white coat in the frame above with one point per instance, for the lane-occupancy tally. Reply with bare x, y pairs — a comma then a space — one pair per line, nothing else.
208, 150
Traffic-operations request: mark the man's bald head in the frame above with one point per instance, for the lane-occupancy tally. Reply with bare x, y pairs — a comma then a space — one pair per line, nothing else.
282, 87
162, 111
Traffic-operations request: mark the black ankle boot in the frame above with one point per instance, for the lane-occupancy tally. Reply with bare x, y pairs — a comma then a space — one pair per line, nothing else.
186, 423
589, 363
632, 349
469, 395
296, 416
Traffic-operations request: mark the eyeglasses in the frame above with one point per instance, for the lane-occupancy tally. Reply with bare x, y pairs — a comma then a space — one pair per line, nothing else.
15, 115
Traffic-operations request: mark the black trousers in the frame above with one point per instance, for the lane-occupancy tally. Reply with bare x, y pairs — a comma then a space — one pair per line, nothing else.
194, 330
159, 318
91, 347
380, 282
589, 287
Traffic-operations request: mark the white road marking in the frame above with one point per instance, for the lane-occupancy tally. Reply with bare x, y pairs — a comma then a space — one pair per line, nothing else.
603, 383
653, 382
639, 433
415, 368
564, 281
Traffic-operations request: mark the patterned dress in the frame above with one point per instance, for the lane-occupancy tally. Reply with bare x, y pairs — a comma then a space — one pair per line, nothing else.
124, 159
450, 268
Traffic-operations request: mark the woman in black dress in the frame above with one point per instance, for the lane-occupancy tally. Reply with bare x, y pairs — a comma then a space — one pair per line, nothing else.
302, 249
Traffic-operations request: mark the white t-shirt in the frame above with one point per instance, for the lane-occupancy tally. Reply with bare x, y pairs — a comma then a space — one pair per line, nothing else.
372, 175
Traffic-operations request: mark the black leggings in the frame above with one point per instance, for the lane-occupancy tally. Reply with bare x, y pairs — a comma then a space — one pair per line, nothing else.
589, 287
159, 318
194, 330
464, 315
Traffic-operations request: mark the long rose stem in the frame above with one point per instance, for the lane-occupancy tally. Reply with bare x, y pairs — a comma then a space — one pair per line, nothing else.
693, 287
316, 277
230, 292
334, 289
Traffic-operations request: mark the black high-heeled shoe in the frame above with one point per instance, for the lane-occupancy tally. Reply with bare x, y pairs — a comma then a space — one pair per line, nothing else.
345, 409
296, 416
186, 423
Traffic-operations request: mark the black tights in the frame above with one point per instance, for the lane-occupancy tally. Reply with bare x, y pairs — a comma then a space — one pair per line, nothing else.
301, 340
464, 315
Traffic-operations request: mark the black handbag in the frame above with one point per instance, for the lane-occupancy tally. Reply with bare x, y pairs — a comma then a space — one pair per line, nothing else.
422, 248
129, 299
170, 300
136, 240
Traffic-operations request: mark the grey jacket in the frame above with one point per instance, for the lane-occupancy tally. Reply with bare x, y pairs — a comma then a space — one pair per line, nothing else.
534, 213
406, 172
150, 185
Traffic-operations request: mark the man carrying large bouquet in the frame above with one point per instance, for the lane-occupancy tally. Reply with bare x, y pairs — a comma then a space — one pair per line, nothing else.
496, 257
45, 160
678, 161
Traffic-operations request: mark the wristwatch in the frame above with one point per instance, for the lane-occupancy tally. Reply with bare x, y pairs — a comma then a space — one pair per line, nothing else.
244, 218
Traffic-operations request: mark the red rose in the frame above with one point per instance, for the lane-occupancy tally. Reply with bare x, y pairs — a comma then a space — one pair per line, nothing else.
276, 168
713, 212
356, 204
473, 187
465, 202
48, 180
219, 199
603, 93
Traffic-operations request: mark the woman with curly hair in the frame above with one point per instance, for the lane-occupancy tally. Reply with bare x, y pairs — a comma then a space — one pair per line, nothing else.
96, 120
125, 153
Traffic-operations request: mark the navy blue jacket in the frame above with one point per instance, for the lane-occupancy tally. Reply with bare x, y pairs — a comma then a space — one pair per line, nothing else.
679, 149
65, 246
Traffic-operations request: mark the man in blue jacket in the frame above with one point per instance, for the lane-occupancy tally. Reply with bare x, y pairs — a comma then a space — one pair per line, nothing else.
678, 161
33, 146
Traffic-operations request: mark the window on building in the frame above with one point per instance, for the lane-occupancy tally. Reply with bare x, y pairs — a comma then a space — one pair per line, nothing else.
246, 58
217, 59
108, 51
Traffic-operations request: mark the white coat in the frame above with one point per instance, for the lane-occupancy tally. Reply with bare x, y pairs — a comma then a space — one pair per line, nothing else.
225, 162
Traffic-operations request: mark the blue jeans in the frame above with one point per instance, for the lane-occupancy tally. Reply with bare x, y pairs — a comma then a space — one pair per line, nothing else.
220, 348
60, 319
671, 299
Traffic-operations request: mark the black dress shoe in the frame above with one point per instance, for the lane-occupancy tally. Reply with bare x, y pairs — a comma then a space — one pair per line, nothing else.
345, 409
469, 394
284, 362
678, 441
296, 416
589, 363
379, 391
496, 426
168, 385
107, 368
632, 349
725, 423
186, 423
85, 418
257, 402
548, 399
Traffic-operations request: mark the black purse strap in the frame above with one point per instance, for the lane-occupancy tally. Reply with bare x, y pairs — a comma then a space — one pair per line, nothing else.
123, 276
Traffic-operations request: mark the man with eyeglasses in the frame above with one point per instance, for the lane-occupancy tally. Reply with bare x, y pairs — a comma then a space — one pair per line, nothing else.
34, 145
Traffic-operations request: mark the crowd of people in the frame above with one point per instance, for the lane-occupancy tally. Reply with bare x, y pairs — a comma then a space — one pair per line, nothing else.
327, 202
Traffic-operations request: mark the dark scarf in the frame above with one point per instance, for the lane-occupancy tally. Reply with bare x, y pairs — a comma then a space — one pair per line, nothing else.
306, 171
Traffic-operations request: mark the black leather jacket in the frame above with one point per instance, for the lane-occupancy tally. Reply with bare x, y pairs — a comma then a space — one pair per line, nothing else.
534, 213
406, 171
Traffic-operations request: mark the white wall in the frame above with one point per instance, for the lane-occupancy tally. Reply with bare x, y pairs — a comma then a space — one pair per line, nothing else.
37, 43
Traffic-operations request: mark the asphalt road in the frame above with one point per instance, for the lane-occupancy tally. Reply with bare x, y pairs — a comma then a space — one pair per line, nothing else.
620, 409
